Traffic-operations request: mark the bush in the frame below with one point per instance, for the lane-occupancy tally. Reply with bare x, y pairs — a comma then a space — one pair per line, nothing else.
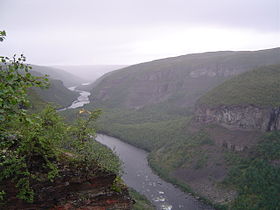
31, 144
257, 178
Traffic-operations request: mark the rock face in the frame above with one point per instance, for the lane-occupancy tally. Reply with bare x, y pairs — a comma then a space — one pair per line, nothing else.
240, 117
177, 81
78, 187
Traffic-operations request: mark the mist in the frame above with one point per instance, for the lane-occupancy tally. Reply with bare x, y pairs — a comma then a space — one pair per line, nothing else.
70, 32
89, 73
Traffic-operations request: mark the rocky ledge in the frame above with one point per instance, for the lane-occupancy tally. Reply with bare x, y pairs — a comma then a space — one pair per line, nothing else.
78, 186
240, 117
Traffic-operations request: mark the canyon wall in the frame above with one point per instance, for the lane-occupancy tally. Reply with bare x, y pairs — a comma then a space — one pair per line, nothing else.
78, 186
240, 117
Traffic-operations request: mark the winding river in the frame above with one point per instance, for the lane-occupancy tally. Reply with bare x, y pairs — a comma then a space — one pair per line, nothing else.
138, 174
82, 99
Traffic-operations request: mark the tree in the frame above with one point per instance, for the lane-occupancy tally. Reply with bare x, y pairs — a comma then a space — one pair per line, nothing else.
24, 138
32, 144
2, 36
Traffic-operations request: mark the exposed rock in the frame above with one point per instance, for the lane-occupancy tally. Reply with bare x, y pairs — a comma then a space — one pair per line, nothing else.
240, 117
78, 186
214, 72
177, 81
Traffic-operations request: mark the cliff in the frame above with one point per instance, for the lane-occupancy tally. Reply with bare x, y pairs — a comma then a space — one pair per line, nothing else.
231, 120
250, 101
240, 117
78, 186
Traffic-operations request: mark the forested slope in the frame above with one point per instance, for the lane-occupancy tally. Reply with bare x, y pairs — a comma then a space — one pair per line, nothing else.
151, 105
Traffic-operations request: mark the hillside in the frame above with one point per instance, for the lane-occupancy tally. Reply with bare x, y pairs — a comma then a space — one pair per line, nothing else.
46, 163
225, 141
152, 95
67, 78
249, 101
149, 105
175, 82
57, 94
259, 87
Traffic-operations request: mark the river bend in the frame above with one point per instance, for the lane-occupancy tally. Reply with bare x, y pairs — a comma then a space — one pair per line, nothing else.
139, 176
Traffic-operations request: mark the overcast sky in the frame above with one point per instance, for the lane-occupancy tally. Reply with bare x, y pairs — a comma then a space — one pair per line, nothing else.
69, 32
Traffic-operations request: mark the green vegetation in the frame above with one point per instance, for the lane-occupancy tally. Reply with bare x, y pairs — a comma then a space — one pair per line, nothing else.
146, 135
254, 175
164, 173
166, 130
36, 103
174, 82
32, 145
183, 150
141, 202
2, 35
144, 128
21, 148
79, 141
258, 87
257, 177
56, 94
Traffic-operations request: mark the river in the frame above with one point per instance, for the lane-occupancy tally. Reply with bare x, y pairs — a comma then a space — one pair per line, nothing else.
138, 174
82, 99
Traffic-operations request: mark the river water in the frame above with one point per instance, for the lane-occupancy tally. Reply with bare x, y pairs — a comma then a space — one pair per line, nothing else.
82, 99
139, 176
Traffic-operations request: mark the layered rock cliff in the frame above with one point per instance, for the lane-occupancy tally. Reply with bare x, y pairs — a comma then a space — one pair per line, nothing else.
78, 186
240, 117
250, 101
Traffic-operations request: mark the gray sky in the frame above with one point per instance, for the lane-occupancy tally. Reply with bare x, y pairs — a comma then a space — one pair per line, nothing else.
69, 32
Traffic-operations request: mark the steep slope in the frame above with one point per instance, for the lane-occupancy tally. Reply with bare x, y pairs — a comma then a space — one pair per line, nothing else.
79, 186
57, 94
248, 101
177, 81
226, 134
259, 87
67, 78
191, 150
159, 96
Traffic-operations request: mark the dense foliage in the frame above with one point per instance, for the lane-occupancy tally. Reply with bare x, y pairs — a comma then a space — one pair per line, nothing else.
141, 202
146, 135
15, 80
148, 128
31, 144
258, 177
24, 138
258, 87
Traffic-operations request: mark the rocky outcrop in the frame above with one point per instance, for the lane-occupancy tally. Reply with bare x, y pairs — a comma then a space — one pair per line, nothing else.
240, 117
79, 186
